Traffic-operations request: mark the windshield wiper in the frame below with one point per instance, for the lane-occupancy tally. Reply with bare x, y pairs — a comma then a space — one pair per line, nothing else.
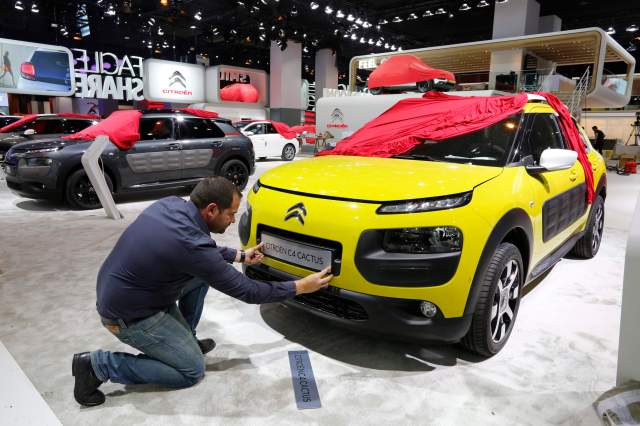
458, 157
417, 157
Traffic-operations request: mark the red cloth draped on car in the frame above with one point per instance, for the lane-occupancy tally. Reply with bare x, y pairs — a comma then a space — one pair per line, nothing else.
437, 116
16, 124
283, 129
240, 92
122, 127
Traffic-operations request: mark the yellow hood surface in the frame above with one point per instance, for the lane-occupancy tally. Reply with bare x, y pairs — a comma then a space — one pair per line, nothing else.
377, 179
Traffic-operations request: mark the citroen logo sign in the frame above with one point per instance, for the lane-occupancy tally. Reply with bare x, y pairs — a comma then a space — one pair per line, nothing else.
297, 211
177, 78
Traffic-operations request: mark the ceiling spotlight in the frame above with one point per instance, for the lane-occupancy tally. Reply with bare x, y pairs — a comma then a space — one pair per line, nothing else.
198, 16
632, 28
233, 31
611, 31
450, 14
339, 14
483, 3
294, 11
383, 22
345, 35
193, 27
314, 5
440, 11
241, 3
18, 5
393, 47
328, 10
262, 37
151, 22
359, 21
632, 47
35, 8
371, 41
397, 19
427, 13
111, 11
501, 1
263, 1
164, 3
54, 25
386, 45
464, 7
351, 18
305, 50
363, 40
160, 31
354, 36
366, 24
378, 43
412, 17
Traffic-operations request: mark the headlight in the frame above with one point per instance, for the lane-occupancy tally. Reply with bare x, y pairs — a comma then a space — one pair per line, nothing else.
256, 186
426, 205
38, 161
41, 150
440, 239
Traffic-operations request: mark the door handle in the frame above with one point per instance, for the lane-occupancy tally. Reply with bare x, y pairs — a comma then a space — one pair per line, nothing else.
175, 146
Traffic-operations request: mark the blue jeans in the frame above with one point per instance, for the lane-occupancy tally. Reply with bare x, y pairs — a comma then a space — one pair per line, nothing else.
170, 353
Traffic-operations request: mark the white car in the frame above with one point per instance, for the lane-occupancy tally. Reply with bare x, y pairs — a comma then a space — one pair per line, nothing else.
267, 142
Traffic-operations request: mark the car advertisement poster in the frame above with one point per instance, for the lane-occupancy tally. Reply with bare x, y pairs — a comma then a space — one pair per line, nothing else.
168, 81
35, 69
223, 76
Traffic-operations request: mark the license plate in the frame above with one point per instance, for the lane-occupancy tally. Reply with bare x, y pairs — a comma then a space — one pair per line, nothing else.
299, 254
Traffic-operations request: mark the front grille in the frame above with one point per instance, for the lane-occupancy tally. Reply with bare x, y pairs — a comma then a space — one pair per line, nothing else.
334, 305
323, 300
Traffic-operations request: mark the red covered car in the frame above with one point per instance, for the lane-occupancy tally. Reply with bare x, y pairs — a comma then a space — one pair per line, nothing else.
408, 72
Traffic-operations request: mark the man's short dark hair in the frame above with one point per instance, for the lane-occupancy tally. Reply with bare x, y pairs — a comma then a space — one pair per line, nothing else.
594, 128
214, 189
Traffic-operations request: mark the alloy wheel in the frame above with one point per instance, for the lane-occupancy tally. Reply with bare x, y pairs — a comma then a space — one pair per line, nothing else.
237, 174
598, 226
289, 152
505, 300
85, 194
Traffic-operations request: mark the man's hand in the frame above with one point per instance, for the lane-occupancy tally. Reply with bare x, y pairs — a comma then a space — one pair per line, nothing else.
314, 282
253, 255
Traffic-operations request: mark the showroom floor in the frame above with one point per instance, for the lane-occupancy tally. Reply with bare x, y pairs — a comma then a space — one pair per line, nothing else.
561, 357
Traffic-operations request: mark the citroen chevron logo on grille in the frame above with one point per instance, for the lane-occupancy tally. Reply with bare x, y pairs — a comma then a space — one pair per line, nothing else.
297, 211
177, 78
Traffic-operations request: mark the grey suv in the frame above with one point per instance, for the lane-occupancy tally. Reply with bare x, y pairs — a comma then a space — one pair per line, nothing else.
175, 149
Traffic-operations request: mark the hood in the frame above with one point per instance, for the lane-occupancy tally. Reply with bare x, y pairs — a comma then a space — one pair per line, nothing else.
46, 143
9, 139
377, 179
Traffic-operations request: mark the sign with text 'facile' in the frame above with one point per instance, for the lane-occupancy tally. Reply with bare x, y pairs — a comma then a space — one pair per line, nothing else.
105, 75
168, 81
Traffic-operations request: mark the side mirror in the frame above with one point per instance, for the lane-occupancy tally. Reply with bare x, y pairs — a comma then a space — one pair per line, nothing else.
29, 132
554, 159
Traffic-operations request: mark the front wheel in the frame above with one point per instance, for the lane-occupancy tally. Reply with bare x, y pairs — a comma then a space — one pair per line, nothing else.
588, 246
237, 172
288, 152
376, 90
498, 303
80, 193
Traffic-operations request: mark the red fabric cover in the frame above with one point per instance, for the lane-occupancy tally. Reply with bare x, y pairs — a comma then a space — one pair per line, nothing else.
24, 120
71, 115
309, 128
434, 116
239, 92
200, 112
572, 135
122, 127
283, 129
402, 69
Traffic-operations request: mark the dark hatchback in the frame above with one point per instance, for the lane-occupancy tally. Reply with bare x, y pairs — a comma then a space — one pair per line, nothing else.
175, 150
45, 126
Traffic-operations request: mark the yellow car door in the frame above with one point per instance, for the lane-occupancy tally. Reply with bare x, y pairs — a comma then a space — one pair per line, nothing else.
558, 199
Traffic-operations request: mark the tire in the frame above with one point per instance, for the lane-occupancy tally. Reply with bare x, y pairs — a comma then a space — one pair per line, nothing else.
424, 86
497, 307
589, 244
288, 152
376, 91
79, 191
237, 172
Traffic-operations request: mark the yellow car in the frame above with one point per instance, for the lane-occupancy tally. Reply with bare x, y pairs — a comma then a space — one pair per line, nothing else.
438, 243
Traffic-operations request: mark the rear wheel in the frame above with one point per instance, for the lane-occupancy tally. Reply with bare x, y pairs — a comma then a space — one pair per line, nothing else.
589, 244
376, 91
235, 171
424, 86
80, 193
498, 303
288, 152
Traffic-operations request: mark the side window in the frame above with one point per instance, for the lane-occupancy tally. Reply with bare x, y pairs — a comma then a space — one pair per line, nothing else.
198, 128
544, 133
585, 137
270, 130
73, 126
46, 126
156, 128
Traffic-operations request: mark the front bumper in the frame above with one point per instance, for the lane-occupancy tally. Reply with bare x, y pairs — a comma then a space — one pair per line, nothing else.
390, 317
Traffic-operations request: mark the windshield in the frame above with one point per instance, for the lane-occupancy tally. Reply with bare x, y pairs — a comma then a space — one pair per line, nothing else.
242, 124
485, 147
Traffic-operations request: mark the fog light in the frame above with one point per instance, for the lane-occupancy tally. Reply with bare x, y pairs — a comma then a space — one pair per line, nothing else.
428, 309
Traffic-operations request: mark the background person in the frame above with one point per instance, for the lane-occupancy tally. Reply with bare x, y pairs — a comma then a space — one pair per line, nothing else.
599, 135
151, 289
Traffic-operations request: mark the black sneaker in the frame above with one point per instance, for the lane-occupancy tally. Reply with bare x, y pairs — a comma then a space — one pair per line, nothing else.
206, 345
85, 390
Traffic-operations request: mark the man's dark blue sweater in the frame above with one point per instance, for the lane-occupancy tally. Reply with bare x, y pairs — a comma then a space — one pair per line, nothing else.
168, 245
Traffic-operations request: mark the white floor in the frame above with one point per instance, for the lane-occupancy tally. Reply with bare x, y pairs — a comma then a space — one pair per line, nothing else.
561, 356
